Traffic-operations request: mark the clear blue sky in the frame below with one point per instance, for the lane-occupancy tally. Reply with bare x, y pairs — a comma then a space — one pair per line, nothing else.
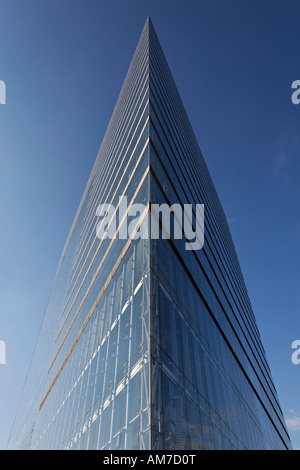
63, 62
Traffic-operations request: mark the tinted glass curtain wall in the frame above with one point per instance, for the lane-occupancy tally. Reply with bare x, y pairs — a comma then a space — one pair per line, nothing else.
144, 344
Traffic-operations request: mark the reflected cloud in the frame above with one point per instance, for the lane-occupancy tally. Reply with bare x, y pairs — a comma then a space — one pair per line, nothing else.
293, 422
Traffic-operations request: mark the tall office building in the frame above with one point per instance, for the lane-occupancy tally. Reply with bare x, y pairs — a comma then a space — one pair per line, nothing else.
145, 343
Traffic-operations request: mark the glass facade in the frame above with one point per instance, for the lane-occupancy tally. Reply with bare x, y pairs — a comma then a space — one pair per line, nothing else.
144, 344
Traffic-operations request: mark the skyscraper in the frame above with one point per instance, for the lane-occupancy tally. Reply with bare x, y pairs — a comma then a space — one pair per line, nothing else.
145, 343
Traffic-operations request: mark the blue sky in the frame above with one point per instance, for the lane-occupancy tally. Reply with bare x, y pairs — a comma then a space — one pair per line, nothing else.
64, 62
